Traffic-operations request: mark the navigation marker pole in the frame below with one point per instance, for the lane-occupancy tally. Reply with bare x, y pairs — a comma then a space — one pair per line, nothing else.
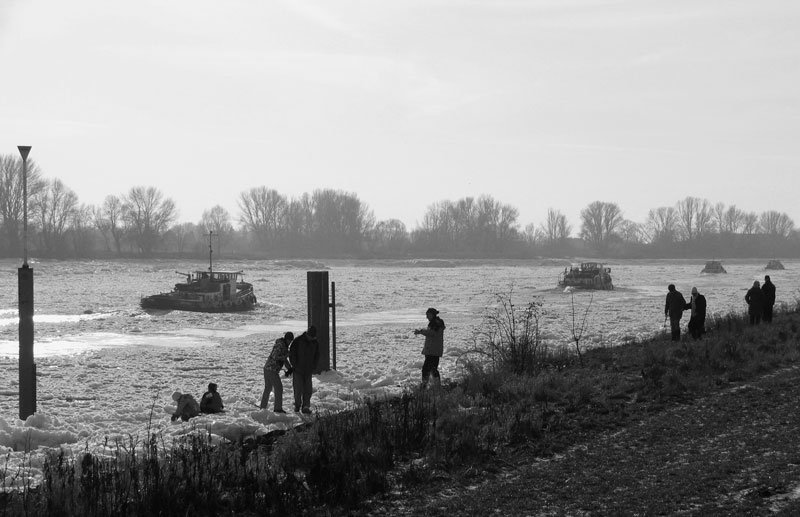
27, 368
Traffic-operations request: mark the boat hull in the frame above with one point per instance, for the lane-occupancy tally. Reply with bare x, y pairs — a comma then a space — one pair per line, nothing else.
174, 302
587, 284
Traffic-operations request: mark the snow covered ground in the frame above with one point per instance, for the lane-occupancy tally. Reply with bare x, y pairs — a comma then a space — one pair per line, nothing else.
100, 389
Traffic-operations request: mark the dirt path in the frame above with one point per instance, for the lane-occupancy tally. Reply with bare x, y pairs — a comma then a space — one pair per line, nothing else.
734, 452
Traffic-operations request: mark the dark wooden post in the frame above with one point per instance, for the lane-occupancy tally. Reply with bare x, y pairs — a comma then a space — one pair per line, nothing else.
333, 323
318, 306
27, 368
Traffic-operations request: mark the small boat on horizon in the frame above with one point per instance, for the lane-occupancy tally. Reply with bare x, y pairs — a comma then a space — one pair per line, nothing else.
206, 291
587, 275
713, 266
774, 264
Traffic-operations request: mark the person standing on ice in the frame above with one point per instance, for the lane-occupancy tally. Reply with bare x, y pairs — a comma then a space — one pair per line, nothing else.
433, 347
278, 358
304, 355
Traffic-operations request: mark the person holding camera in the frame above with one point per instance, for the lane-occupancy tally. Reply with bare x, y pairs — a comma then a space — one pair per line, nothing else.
434, 345
278, 358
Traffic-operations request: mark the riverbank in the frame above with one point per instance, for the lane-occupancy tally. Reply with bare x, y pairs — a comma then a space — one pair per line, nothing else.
679, 433
643, 427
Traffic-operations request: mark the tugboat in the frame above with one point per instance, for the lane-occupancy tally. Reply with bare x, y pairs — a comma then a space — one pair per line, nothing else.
588, 275
774, 264
713, 266
206, 291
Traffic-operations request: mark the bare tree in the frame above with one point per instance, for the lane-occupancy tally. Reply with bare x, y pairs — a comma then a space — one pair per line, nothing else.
662, 225
263, 213
341, 220
694, 217
53, 208
703, 219
300, 220
632, 232
776, 223
555, 228
533, 236
734, 219
109, 219
148, 214
186, 237
749, 223
599, 221
81, 231
11, 200
390, 236
218, 221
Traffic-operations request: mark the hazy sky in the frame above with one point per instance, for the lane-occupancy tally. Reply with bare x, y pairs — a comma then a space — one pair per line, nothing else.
539, 103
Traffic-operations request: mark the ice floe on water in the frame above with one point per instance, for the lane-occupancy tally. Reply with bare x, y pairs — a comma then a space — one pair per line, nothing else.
106, 369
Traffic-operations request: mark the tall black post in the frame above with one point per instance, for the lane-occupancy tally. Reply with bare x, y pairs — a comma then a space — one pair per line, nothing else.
27, 368
317, 282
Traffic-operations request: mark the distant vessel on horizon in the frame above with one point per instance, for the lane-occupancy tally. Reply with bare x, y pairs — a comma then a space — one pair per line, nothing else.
774, 264
588, 275
713, 266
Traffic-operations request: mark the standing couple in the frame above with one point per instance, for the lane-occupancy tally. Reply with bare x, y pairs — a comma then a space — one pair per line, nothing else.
300, 357
676, 304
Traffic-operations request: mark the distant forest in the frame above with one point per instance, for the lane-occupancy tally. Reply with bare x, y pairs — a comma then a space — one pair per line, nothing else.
335, 224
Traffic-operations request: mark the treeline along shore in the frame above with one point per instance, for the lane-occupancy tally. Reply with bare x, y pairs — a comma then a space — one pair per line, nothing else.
651, 426
328, 223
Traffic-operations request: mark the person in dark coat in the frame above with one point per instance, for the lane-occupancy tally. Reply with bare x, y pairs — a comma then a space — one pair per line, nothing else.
186, 406
755, 303
433, 347
768, 289
673, 308
304, 355
697, 321
211, 402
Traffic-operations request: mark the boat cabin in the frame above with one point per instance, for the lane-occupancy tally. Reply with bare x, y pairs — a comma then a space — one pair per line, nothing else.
588, 275
211, 282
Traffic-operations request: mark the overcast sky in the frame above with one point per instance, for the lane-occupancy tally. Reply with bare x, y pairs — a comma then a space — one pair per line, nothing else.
539, 103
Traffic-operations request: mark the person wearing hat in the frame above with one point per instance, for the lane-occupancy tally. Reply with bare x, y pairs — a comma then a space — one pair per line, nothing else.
187, 406
278, 358
304, 356
433, 347
697, 320
211, 402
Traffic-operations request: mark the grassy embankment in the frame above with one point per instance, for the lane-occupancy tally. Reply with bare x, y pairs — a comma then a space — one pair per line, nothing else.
516, 394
